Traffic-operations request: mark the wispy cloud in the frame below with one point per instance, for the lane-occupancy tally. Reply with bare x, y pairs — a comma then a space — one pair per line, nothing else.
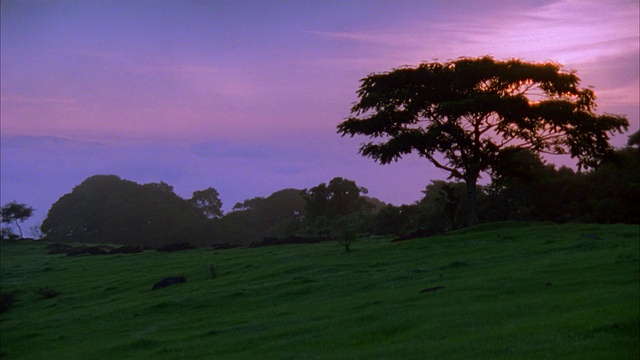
598, 39
373, 37
100, 54
34, 100
178, 68
565, 30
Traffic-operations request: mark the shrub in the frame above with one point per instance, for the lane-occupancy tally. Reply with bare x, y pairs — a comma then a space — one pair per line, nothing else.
176, 247
346, 237
47, 293
213, 270
6, 301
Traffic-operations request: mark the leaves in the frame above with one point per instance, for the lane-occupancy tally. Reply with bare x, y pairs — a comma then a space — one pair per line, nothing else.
16, 213
208, 202
107, 209
470, 108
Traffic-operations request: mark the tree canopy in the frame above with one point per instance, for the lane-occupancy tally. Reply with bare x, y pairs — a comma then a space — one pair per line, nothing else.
277, 215
16, 213
208, 202
107, 209
341, 197
462, 114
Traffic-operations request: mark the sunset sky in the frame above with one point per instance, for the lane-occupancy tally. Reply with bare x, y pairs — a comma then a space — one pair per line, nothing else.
245, 96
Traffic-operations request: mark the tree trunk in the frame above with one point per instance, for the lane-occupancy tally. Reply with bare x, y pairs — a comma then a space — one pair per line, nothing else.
19, 229
472, 199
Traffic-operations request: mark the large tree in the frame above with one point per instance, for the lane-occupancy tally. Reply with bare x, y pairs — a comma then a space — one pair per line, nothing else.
461, 114
108, 209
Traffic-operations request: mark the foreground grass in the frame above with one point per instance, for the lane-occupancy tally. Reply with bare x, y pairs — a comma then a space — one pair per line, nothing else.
511, 290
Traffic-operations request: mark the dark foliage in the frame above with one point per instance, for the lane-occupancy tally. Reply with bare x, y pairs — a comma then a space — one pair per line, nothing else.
460, 115
15, 213
208, 202
225, 246
70, 250
87, 250
340, 198
526, 188
7, 300
107, 209
58, 248
523, 187
288, 240
420, 233
168, 281
213, 271
608, 194
47, 293
337, 209
176, 247
127, 249
278, 215
431, 289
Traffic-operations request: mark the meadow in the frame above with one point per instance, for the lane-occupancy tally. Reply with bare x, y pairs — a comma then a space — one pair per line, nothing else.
496, 291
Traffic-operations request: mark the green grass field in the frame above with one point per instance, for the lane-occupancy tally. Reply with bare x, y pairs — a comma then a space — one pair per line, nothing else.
511, 291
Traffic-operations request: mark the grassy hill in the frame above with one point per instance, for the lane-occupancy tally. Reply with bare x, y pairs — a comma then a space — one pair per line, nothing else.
497, 291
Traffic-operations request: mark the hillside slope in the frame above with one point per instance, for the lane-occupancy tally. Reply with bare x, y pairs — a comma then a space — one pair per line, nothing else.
497, 291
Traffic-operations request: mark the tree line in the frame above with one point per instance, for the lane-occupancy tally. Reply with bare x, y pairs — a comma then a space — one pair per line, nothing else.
108, 209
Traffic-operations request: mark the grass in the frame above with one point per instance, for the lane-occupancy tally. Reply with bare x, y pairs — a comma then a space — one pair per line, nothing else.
510, 290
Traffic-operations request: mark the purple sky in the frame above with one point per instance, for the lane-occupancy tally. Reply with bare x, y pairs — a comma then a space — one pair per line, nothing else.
245, 96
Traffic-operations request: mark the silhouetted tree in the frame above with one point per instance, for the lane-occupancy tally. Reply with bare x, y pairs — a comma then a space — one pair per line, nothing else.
614, 187
208, 202
461, 114
107, 209
634, 140
16, 213
278, 215
393, 220
331, 208
341, 197
514, 192
526, 188
443, 206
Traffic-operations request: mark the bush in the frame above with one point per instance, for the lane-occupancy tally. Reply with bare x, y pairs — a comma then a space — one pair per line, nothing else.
58, 248
176, 247
47, 293
346, 237
6, 301
127, 249
213, 270
7, 234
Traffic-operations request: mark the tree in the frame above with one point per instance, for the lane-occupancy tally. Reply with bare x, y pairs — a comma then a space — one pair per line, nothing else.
16, 213
330, 208
108, 209
208, 202
516, 183
442, 207
614, 188
341, 197
461, 114
634, 140
278, 215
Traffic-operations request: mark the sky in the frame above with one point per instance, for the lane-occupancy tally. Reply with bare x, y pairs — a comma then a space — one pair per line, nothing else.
245, 96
